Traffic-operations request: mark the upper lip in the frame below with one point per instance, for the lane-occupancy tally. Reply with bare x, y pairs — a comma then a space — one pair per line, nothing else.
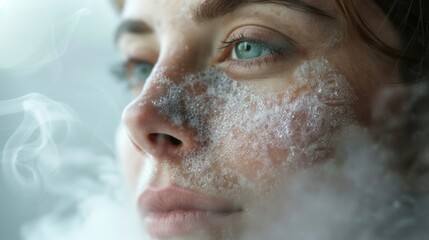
171, 199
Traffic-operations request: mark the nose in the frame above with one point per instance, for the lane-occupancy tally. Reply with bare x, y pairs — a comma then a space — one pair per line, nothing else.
156, 120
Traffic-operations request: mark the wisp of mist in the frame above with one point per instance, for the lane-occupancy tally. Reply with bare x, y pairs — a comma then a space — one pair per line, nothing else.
358, 196
50, 153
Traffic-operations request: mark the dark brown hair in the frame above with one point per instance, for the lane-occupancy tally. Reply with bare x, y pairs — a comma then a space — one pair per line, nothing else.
411, 21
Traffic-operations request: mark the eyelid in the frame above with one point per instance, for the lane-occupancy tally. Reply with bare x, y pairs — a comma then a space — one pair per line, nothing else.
263, 35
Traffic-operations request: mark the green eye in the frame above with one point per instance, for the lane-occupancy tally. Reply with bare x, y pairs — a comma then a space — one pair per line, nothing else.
249, 50
141, 72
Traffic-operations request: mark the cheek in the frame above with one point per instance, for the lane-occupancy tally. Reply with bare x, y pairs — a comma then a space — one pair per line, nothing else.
282, 138
368, 72
270, 134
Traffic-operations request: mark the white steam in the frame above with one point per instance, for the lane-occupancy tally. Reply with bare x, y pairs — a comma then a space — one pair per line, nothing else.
51, 153
33, 140
357, 195
360, 194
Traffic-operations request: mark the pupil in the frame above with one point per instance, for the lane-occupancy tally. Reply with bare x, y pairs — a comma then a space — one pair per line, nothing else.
248, 50
247, 47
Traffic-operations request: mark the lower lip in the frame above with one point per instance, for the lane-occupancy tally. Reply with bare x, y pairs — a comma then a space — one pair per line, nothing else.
183, 222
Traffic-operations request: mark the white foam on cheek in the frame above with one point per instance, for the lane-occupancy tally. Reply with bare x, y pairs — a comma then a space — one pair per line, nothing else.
296, 122
239, 129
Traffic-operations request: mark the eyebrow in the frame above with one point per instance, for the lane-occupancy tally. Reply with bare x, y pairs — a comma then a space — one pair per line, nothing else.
212, 9
131, 26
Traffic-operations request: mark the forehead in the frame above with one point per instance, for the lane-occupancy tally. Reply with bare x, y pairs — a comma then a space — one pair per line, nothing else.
166, 16
160, 8
167, 9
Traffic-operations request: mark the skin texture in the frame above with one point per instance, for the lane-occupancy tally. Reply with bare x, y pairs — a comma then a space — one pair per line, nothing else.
245, 127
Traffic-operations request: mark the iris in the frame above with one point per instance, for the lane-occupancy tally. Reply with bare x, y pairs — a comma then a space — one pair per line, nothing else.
248, 50
141, 72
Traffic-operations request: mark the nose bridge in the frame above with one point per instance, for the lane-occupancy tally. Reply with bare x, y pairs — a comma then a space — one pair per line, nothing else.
184, 46
178, 58
155, 119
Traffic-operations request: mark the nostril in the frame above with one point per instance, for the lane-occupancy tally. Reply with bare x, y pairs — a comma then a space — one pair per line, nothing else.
174, 141
159, 138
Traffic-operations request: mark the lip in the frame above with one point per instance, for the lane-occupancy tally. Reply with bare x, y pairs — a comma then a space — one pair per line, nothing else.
174, 211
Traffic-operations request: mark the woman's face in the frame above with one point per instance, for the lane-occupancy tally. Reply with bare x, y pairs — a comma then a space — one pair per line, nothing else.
232, 99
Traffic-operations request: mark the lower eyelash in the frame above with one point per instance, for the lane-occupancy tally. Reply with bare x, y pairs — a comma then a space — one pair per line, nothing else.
267, 60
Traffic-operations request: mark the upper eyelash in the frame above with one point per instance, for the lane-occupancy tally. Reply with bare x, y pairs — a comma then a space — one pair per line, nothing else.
228, 43
241, 38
